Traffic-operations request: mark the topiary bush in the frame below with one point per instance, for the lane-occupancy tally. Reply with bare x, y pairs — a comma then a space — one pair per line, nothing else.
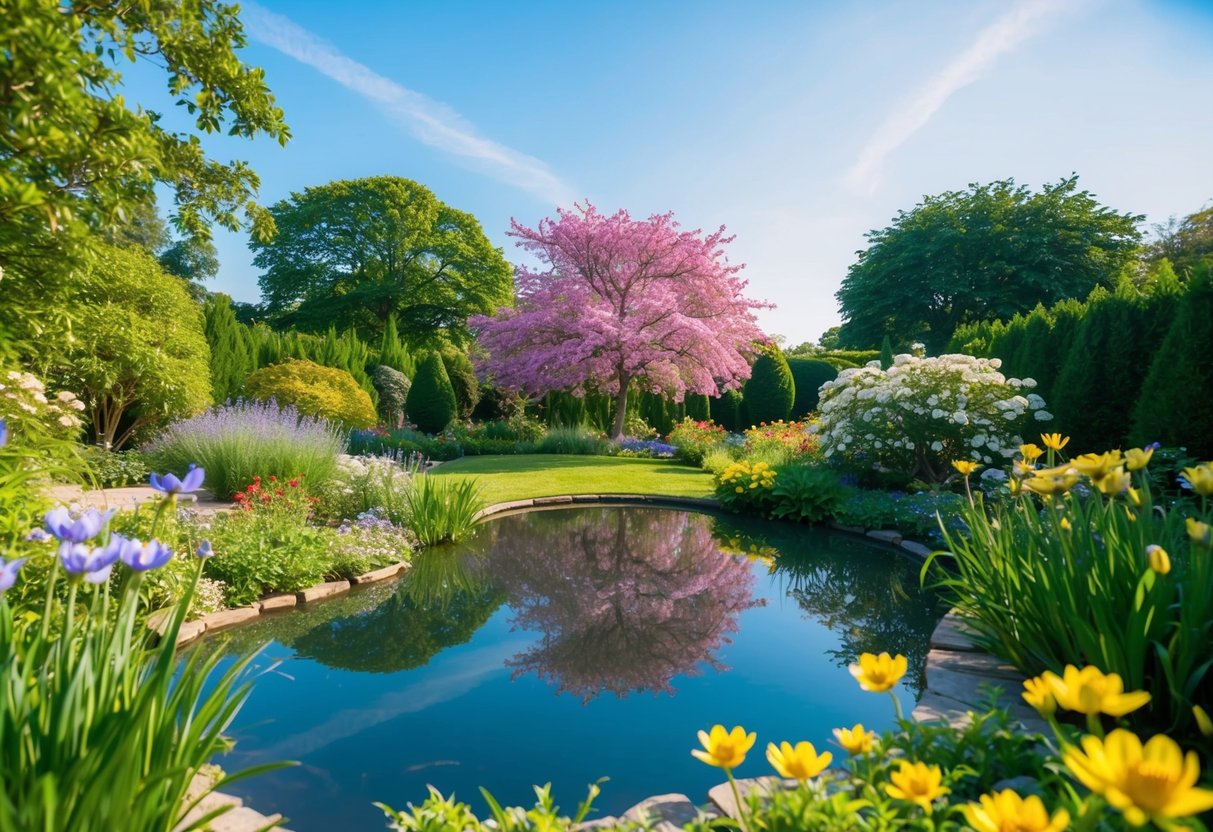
809, 374
314, 390
725, 410
770, 391
393, 387
431, 403
463, 381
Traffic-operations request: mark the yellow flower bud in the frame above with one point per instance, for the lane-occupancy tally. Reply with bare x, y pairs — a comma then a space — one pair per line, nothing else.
1158, 559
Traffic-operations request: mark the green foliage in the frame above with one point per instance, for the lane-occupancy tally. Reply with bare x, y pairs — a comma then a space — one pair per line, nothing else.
393, 387
1177, 393
431, 403
319, 391
695, 440
520, 428
726, 410
413, 257
988, 252
886, 353
746, 486
770, 390
442, 510
575, 440
1049, 583
698, 407
366, 483
445, 814
392, 351
1187, 244
117, 470
806, 493
463, 381
138, 352
808, 374
232, 356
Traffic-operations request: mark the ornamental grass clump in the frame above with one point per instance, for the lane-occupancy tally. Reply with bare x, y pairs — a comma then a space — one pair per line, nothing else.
916, 417
442, 509
1080, 566
240, 441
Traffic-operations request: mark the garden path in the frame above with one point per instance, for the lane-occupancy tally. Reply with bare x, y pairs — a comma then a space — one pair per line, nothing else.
201, 503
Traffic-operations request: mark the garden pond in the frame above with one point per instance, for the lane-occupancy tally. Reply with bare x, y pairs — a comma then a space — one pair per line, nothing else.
565, 646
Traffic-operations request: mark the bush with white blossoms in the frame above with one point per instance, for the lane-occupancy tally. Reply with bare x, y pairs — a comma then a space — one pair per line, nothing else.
922, 413
27, 408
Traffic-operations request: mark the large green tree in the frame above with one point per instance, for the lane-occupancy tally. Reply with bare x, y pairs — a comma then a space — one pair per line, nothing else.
987, 252
358, 252
76, 156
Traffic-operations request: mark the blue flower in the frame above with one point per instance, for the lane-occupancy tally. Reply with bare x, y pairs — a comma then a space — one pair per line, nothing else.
60, 522
143, 556
169, 484
205, 549
38, 536
3, 435
94, 564
8, 572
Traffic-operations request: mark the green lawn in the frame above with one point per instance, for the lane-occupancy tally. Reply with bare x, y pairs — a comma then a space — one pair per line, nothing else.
524, 476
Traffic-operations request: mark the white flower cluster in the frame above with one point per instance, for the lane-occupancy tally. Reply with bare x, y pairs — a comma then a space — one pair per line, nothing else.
24, 403
922, 413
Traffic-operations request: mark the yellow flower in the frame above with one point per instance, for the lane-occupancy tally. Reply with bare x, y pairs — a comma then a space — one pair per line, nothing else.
739, 490
855, 740
1006, 811
1135, 497
1051, 484
917, 783
1039, 695
878, 673
1065, 524
1054, 441
1201, 533
1020, 468
1097, 466
1154, 782
1091, 691
964, 466
1158, 559
1201, 479
1014, 486
1114, 482
1031, 452
1202, 720
799, 762
1138, 458
724, 749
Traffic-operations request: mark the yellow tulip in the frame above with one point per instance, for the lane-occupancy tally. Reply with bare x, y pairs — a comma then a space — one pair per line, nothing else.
724, 749
1091, 691
878, 673
1021, 469
1156, 781
1201, 479
1201, 533
1065, 524
917, 783
1135, 497
964, 466
1158, 559
1052, 484
855, 740
739, 490
1116, 481
1039, 695
1054, 441
1006, 810
798, 762
1097, 466
1031, 452
1203, 723
1138, 458
1014, 486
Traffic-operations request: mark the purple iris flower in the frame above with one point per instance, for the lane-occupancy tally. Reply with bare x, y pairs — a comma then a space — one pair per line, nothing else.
205, 549
3, 433
38, 536
8, 572
92, 563
144, 556
60, 522
170, 484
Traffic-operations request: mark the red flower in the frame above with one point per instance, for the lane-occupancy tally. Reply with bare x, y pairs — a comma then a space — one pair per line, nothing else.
278, 492
294, 483
273, 478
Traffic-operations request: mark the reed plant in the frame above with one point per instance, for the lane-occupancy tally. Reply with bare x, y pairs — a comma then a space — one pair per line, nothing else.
442, 509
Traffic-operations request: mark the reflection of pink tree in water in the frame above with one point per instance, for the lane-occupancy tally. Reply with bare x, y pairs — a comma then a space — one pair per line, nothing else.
626, 599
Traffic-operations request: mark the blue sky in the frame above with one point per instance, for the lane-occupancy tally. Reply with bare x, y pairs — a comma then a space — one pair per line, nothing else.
798, 125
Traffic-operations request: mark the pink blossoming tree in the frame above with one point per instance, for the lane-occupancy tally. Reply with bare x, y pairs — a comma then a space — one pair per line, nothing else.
618, 302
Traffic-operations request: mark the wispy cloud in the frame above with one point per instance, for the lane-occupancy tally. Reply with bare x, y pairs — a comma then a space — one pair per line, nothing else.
1020, 22
430, 122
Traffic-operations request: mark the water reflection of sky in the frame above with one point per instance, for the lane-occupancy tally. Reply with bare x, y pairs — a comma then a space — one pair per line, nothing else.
502, 663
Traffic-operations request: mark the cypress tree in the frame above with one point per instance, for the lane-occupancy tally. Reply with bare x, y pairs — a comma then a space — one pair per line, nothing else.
392, 351
886, 353
463, 380
231, 354
698, 407
725, 410
430, 404
808, 374
770, 390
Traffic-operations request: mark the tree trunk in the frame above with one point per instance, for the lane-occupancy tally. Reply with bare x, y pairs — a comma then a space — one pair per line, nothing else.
621, 409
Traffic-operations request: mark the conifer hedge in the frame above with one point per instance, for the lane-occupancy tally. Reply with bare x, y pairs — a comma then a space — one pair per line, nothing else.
431, 404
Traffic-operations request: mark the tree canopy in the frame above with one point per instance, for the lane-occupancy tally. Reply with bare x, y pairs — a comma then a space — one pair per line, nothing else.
987, 252
358, 252
619, 301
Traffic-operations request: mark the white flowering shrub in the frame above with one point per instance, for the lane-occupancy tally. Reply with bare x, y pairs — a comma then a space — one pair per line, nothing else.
923, 413
29, 411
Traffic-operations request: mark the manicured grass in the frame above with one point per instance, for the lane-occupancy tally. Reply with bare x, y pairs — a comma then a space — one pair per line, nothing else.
524, 476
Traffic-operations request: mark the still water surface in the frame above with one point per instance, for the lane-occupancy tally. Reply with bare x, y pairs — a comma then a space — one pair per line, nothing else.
566, 646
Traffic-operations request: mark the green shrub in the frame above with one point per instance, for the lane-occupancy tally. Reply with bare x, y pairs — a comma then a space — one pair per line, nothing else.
698, 407
695, 440
726, 410
746, 486
770, 390
431, 404
573, 440
325, 392
232, 357
462, 376
113, 469
442, 509
393, 387
363, 483
520, 428
806, 493
809, 374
